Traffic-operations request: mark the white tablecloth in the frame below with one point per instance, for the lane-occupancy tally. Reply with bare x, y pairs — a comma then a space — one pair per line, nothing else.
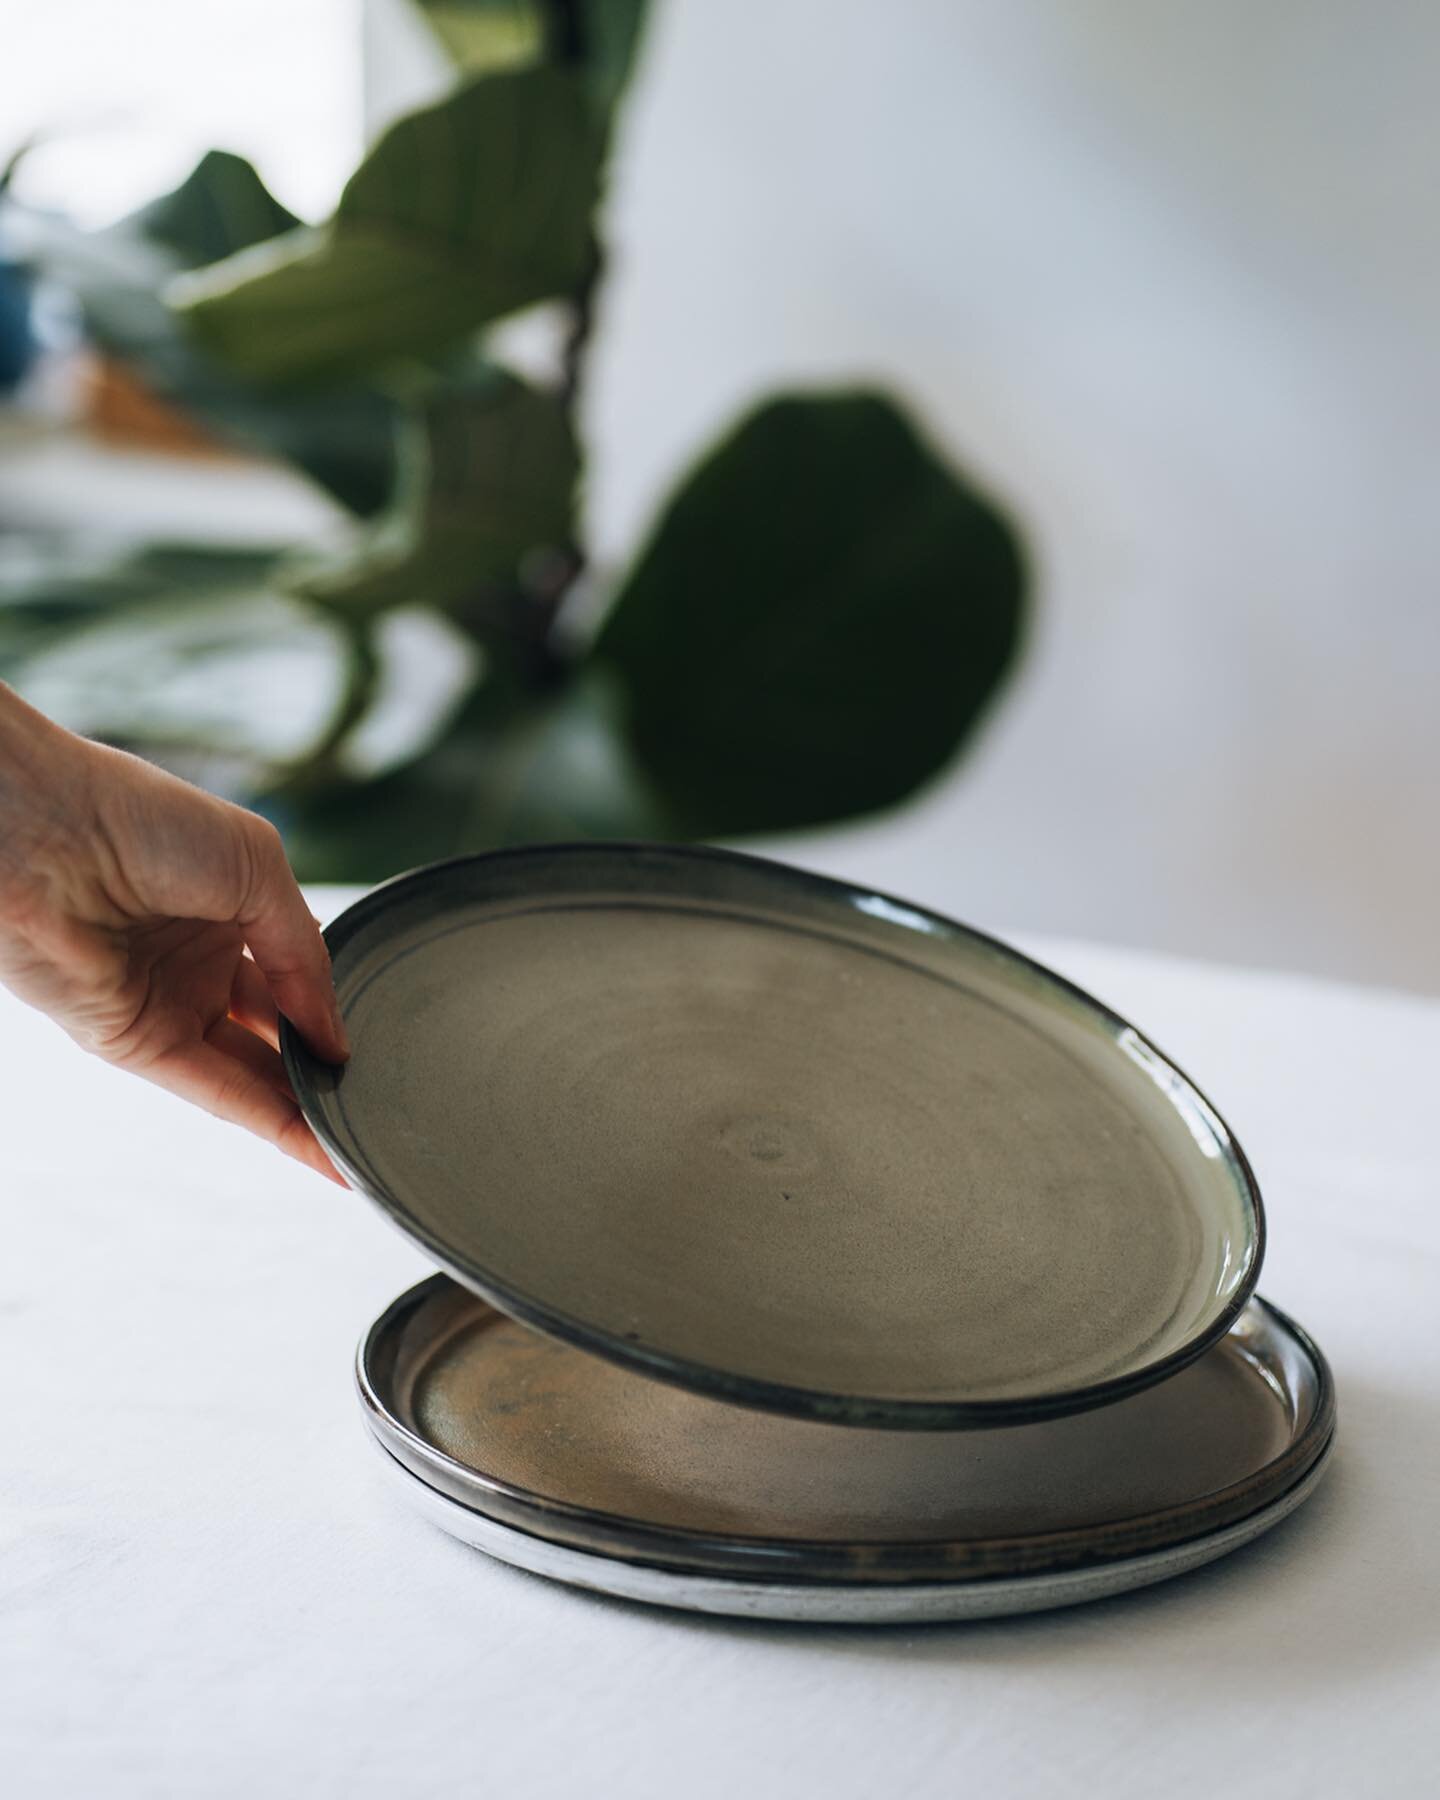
207, 1588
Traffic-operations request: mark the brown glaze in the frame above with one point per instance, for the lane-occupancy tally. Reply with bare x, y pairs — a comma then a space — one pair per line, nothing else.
572, 1447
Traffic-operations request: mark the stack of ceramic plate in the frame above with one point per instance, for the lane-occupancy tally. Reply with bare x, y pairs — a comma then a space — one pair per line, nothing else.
807, 1255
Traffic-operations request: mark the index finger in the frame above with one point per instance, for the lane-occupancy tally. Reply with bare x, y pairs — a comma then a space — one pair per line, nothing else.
289, 951
237, 1087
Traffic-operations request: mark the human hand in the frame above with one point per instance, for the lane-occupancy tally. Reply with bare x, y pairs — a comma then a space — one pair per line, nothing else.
128, 900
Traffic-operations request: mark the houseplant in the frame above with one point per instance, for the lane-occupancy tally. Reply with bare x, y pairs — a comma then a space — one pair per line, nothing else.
812, 626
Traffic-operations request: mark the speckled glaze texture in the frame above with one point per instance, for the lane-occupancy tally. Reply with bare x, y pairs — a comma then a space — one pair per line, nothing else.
779, 1139
563, 1447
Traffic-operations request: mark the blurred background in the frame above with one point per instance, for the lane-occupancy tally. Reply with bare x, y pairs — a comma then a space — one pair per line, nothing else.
1085, 585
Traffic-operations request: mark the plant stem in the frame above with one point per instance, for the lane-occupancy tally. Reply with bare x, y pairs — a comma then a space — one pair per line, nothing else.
564, 30
582, 324
321, 768
565, 45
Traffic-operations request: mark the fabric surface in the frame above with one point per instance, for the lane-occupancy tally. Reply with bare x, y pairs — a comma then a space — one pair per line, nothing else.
208, 1588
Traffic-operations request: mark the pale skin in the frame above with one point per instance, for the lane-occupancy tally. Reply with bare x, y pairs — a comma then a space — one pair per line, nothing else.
160, 927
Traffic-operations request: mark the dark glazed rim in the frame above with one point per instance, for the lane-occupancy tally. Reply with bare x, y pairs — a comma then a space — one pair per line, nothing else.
830, 1562
303, 1069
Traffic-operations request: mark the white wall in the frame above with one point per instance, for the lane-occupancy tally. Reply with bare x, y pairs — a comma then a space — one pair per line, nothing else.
121, 100
1167, 277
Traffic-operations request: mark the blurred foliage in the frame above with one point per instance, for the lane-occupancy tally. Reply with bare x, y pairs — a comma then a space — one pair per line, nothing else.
344, 439
599, 37
164, 650
486, 504
817, 619
462, 212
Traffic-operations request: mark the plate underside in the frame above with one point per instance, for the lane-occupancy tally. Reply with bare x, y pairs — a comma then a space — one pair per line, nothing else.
778, 1139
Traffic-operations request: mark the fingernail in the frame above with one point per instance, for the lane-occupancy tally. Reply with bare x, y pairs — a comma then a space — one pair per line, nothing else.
342, 1037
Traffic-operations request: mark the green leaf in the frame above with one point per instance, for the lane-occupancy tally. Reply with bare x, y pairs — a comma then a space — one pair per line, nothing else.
505, 772
612, 30
462, 212
819, 620
222, 206
481, 36
599, 36
164, 652
486, 502
52, 583
345, 440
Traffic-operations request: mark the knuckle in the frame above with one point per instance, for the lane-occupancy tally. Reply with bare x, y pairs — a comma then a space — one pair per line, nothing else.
265, 839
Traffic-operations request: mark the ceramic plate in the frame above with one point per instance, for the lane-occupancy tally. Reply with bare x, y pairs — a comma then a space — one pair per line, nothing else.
573, 1467
778, 1139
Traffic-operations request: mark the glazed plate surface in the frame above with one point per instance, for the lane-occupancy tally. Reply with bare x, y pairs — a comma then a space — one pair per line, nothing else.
576, 1468
778, 1139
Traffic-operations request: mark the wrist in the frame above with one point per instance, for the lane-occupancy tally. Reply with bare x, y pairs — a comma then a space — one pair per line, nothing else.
41, 778
29, 745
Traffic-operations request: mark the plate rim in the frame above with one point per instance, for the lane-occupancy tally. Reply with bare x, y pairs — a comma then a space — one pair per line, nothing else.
864, 1561
307, 1072
820, 1603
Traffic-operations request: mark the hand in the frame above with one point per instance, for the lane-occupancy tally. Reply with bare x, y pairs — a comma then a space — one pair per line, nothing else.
128, 901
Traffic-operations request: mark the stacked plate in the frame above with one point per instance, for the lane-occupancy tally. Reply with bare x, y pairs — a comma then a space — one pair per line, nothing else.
807, 1255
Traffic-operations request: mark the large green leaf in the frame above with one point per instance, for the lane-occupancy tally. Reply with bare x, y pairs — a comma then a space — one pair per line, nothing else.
601, 37
485, 509
462, 212
482, 36
818, 621
612, 32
